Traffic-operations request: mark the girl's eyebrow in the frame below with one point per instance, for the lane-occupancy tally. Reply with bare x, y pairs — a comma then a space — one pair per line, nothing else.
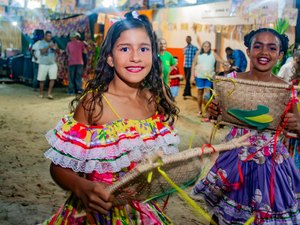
261, 43
128, 44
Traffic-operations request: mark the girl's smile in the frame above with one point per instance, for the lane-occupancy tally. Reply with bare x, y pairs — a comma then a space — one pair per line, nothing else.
134, 69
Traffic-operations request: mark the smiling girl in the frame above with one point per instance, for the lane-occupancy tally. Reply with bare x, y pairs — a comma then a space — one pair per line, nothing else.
122, 116
239, 184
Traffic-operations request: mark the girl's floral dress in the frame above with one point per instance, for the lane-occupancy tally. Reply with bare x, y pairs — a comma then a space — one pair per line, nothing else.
105, 153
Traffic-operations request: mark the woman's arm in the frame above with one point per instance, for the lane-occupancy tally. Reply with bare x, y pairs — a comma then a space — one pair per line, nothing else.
218, 58
194, 64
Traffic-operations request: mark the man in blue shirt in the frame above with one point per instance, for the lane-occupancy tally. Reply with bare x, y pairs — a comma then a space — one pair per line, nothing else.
238, 57
189, 54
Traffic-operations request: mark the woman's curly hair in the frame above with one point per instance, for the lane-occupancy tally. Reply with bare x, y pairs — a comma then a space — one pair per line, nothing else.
161, 94
284, 40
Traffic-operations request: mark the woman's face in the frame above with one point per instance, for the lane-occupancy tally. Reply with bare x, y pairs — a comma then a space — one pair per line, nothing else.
206, 47
264, 51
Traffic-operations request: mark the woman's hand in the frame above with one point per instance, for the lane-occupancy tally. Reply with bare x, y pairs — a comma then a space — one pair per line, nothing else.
94, 196
213, 109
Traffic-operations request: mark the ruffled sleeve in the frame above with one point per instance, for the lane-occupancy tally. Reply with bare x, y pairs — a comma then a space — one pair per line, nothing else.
110, 147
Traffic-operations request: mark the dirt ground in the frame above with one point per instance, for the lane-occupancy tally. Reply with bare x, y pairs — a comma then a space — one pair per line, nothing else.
27, 193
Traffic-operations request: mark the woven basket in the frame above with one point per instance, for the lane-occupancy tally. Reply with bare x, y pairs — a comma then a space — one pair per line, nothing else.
182, 168
247, 95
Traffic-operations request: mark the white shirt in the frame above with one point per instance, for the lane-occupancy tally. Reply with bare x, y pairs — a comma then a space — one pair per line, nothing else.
37, 53
286, 71
205, 67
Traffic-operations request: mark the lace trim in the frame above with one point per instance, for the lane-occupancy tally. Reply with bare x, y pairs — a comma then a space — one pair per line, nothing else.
114, 150
84, 152
102, 165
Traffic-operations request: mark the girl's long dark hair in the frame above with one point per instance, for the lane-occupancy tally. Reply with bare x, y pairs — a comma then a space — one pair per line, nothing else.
161, 95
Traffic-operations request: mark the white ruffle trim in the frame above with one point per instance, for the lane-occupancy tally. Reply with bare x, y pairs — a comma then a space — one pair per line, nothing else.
108, 158
88, 166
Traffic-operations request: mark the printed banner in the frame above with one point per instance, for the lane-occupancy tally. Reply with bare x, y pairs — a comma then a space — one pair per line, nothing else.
59, 27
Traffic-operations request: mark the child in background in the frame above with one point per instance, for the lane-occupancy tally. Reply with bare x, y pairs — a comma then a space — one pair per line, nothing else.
240, 183
123, 116
175, 78
227, 68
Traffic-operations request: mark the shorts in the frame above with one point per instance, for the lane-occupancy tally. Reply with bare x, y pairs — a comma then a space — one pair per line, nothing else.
44, 70
174, 91
203, 83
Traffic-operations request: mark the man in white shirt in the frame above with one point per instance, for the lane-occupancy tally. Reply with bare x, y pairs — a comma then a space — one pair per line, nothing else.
35, 52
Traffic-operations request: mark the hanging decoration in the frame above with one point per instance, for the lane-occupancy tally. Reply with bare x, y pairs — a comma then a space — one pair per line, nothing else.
136, 4
261, 12
59, 28
68, 6
235, 7
291, 14
171, 3
4, 2
152, 4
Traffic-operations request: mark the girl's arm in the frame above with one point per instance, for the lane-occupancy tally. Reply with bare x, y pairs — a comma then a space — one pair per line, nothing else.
293, 123
93, 195
214, 110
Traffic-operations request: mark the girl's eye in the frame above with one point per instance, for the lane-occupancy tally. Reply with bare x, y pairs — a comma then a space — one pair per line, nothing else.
256, 46
273, 48
124, 49
144, 49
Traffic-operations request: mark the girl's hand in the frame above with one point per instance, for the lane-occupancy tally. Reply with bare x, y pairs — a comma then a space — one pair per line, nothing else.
292, 123
213, 109
94, 196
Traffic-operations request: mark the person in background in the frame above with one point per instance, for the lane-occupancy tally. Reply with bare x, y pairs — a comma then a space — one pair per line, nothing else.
295, 48
175, 78
259, 180
35, 52
238, 57
203, 69
291, 71
47, 63
167, 60
226, 69
123, 116
189, 53
75, 48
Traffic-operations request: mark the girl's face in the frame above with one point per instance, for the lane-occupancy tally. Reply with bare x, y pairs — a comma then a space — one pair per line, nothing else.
226, 66
131, 56
206, 47
265, 51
